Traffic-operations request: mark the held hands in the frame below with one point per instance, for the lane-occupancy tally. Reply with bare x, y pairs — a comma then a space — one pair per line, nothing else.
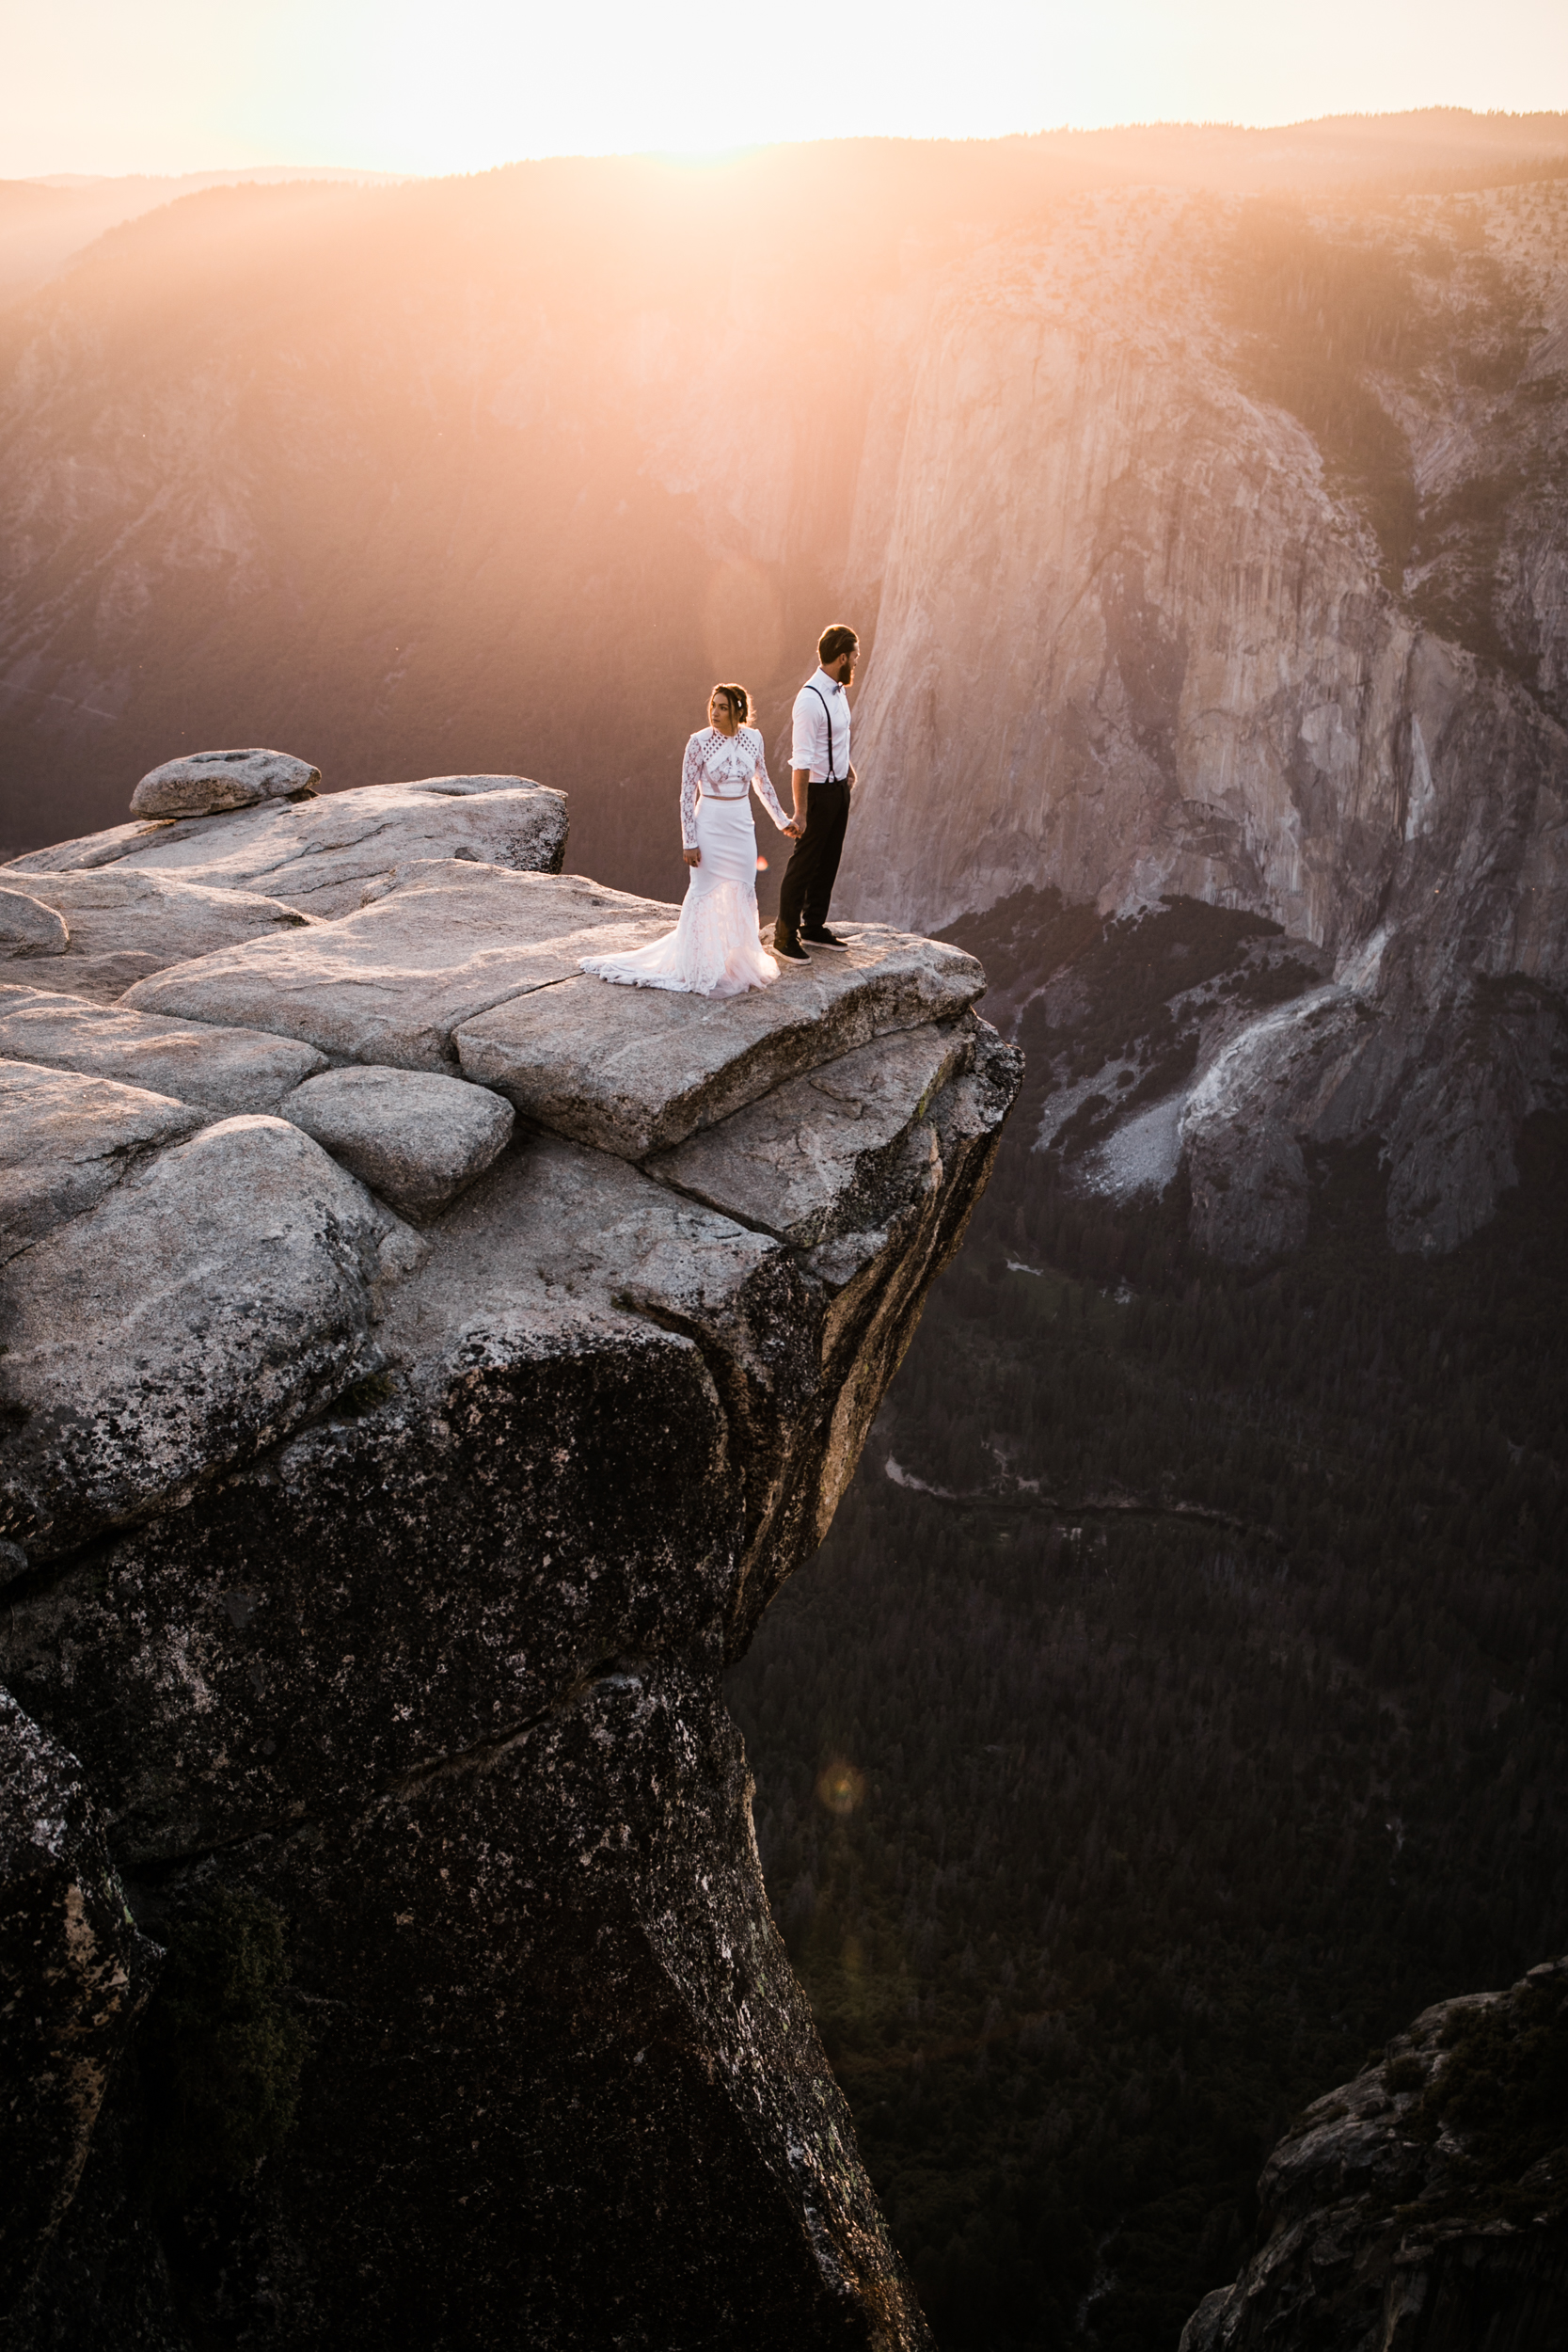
793, 831
692, 857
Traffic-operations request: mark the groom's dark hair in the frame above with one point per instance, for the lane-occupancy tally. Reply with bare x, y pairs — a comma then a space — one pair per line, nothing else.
835, 644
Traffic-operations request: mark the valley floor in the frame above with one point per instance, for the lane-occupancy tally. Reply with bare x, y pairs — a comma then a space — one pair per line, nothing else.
1179, 1704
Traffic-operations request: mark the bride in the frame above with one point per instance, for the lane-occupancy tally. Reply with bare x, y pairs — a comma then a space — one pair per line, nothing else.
716, 948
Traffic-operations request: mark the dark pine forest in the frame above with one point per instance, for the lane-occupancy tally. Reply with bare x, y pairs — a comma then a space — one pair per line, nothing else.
1181, 1700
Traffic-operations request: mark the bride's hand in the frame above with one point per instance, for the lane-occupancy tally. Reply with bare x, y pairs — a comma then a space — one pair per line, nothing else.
793, 832
692, 857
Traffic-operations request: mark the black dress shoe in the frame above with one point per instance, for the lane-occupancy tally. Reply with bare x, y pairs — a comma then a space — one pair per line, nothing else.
791, 951
823, 939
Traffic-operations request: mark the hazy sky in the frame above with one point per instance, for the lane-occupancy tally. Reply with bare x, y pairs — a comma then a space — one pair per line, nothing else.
112, 86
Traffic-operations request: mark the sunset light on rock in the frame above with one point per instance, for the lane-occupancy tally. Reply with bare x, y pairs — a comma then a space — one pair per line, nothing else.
783, 1121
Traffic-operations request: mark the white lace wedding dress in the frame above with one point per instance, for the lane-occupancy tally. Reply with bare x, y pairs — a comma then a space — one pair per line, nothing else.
716, 948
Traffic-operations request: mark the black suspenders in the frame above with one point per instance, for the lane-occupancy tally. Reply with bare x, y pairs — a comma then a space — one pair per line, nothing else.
829, 716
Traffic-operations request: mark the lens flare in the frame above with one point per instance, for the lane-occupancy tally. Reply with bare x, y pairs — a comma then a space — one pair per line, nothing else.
841, 1786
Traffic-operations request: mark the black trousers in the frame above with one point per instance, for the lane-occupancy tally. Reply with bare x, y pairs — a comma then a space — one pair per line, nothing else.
808, 878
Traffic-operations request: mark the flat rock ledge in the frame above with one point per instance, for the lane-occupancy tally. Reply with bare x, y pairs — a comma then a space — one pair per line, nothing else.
387, 1576
319, 856
117, 927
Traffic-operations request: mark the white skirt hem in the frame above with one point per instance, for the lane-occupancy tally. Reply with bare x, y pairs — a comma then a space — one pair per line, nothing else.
716, 948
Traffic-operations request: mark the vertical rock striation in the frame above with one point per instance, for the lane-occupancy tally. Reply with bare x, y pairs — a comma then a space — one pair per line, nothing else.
1153, 622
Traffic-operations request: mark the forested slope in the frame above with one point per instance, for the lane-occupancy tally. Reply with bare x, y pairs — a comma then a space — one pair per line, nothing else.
1115, 1800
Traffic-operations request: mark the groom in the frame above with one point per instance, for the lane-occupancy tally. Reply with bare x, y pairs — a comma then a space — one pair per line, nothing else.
822, 775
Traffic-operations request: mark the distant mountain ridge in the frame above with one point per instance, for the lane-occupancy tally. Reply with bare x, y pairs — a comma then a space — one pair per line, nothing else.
46, 220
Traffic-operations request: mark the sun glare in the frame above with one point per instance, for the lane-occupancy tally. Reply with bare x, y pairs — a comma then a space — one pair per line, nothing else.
396, 84
702, 158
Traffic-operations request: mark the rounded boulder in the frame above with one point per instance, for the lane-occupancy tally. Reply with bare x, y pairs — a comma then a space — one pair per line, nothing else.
205, 784
416, 1138
28, 927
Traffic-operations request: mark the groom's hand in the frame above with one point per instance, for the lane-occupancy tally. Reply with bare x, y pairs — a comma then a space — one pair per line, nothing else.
692, 857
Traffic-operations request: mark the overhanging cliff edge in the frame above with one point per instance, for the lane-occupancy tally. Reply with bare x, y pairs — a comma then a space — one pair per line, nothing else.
423, 1364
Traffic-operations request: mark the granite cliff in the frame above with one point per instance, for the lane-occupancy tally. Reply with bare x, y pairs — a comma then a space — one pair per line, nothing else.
1248, 588
422, 1364
1425, 2204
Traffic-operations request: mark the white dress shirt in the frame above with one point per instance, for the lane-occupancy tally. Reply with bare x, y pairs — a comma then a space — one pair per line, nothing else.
811, 727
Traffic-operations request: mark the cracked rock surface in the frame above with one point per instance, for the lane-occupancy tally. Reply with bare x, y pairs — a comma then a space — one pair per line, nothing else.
389, 1578
119, 928
231, 1069
392, 981
68, 1139
320, 855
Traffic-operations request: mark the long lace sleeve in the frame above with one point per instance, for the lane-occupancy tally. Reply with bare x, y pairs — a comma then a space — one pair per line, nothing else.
691, 772
765, 791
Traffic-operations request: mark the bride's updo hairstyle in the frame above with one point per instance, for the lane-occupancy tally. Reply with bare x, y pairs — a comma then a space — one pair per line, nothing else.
739, 702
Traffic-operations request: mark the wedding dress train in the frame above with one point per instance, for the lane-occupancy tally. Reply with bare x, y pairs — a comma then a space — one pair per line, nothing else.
716, 948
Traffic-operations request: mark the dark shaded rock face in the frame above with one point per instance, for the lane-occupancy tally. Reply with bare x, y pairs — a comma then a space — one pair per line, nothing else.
74, 1972
417, 1651
1422, 2207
